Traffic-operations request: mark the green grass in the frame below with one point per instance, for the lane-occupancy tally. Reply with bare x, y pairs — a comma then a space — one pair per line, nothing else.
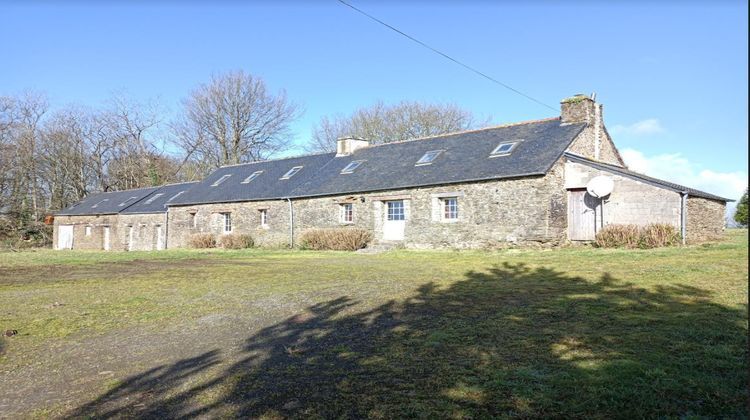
574, 332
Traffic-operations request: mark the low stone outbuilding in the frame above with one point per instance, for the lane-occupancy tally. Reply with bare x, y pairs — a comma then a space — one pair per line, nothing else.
516, 183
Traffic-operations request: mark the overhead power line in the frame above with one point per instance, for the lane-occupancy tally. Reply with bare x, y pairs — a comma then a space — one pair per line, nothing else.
466, 66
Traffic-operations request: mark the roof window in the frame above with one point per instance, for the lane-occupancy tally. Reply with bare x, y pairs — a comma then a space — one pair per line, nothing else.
352, 166
428, 157
174, 196
251, 177
153, 198
504, 148
220, 180
100, 202
291, 172
128, 201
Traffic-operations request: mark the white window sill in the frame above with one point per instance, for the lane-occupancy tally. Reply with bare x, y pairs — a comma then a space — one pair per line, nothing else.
450, 220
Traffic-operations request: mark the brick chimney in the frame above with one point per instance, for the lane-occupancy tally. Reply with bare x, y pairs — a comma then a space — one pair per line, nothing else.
345, 146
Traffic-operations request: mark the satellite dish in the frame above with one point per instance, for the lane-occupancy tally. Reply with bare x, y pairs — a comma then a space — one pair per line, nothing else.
600, 186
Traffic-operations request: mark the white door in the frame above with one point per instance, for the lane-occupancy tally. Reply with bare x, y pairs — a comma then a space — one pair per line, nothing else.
106, 238
131, 233
65, 237
159, 238
395, 221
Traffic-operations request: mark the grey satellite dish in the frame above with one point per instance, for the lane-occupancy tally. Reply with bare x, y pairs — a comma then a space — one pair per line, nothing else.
600, 186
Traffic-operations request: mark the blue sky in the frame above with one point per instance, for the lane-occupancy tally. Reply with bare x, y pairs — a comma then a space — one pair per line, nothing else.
673, 77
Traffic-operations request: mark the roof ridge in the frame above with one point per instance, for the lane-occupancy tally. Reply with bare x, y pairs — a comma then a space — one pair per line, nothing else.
473, 130
275, 160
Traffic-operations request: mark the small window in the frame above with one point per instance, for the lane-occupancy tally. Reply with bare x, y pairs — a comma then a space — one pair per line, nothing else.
220, 180
251, 177
227, 222
88, 230
193, 221
395, 210
450, 208
263, 217
129, 200
428, 157
347, 213
153, 198
291, 172
504, 149
352, 166
100, 202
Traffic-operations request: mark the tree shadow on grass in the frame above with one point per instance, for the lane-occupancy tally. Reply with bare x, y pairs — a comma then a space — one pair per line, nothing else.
509, 341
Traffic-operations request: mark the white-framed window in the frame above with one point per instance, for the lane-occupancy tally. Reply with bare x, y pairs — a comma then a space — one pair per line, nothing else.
220, 180
352, 166
428, 157
263, 217
88, 230
130, 199
99, 202
346, 213
290, 173
227, 225
251, 177
450, 208
504, 148
395, 210
153, 198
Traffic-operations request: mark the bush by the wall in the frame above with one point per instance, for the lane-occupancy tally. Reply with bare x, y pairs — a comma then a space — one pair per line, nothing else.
236, 241
633, 236
202, 240
344, 239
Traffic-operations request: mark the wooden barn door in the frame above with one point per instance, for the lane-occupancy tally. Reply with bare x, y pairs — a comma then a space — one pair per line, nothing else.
582, 211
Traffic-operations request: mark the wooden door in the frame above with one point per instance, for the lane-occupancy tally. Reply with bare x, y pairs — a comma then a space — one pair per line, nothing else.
582, 211
395, 221
65, 237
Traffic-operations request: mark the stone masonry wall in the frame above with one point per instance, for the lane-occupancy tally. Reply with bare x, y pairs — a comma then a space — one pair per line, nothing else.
705, 219
145, 231
584, 145
631, 201
93, 241
490, 214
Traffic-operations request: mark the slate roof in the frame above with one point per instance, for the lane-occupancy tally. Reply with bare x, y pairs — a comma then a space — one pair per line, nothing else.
650, 180
106, 203
465, 158
156, 202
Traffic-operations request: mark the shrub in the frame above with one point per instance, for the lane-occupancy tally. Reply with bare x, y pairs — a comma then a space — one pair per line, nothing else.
343, 239
202, 240
236, 241
633, 236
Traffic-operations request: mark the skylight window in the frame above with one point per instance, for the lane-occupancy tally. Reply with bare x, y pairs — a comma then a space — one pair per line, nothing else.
128, 201
100, 202
352, 166
220, 180
291, 172
428, 157
153, 198
251, 177
504, 149
174, 196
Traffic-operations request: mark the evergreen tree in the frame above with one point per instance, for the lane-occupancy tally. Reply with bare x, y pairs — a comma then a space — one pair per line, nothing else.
741, 215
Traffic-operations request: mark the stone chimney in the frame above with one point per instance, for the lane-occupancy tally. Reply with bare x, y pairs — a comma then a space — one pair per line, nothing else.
581, 108
345, 146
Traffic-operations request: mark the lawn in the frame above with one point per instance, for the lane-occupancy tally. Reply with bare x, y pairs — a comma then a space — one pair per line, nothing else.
574, 332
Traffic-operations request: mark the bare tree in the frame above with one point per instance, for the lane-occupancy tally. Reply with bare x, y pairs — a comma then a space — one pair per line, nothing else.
234, 119
382, 123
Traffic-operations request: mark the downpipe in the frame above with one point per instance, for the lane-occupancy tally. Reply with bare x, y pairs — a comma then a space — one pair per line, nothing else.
291, 223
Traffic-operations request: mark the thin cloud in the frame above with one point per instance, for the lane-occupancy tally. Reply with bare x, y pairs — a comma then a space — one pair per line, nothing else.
678, 169
647, 127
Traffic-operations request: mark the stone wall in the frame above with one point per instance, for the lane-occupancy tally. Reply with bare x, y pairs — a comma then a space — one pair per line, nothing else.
705, 219
145, 231
95, 240
631, 201
492, 213
584, 145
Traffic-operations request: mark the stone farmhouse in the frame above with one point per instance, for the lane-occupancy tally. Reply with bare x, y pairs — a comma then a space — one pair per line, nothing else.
516, 183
